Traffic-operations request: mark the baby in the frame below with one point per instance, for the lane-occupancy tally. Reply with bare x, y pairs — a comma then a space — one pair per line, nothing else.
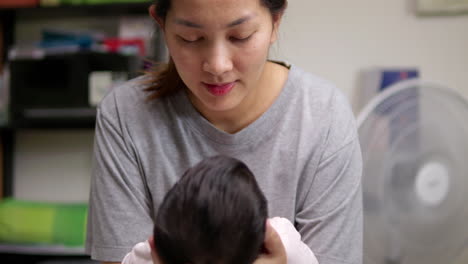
216, 213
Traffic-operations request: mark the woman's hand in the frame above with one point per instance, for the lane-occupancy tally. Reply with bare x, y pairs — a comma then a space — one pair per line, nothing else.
275, 252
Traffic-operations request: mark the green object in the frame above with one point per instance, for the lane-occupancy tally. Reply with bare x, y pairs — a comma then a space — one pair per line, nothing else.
27, 222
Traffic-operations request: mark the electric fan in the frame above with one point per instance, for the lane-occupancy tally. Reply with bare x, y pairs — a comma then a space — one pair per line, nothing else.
414, 141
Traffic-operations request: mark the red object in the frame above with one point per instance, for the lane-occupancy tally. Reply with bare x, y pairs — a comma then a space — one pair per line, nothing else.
18, 3
115, 44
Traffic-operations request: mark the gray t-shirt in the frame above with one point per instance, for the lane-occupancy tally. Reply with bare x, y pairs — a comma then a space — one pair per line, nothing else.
303, 150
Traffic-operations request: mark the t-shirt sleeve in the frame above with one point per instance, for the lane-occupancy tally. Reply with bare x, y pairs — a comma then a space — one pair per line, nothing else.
330, 217
119, 206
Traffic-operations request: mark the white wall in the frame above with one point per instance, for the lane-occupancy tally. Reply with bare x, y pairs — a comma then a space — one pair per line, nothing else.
334, 39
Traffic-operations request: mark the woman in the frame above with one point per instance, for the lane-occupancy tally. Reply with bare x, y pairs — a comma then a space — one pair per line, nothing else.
220, 95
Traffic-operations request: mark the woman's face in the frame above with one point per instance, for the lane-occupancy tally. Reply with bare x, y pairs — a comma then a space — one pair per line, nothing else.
219, 48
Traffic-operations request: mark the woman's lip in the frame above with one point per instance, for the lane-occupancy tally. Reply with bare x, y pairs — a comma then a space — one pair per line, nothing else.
219, 89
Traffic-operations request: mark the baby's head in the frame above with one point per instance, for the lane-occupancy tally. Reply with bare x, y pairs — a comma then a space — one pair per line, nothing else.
215, 214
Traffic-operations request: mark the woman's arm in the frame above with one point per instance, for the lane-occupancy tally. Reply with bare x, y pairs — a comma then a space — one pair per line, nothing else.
120, 207
329, 214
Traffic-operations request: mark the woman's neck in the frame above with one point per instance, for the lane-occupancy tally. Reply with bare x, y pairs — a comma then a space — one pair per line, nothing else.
259, 100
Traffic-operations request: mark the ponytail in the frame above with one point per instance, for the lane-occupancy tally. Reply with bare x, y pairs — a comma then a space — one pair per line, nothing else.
164, 81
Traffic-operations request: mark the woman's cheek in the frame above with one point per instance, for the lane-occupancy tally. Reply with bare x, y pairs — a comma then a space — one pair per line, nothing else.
258, 48
185, 59
254, 54
179, 51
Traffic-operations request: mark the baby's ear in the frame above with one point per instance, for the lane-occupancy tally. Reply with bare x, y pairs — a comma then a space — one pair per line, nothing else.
263, 249
151, 242
154, 254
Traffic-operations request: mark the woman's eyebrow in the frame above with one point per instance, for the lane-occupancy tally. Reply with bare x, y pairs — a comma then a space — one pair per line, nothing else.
239, 21
187, 23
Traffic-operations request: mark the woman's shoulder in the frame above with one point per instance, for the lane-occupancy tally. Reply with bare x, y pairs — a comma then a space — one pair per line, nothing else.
130, 96
324, 103
310, 84
318, 94
129, 92
129, 106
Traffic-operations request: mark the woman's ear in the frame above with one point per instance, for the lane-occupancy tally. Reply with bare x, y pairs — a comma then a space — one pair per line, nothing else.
154, 15
276, 23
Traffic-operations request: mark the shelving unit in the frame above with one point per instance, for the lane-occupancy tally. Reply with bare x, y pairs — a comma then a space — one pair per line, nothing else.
41, 250
128, 8
8, 15
50, 119
83, 118
7, 140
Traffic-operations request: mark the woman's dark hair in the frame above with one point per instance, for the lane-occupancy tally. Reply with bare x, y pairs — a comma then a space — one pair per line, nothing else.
216, 213
165, 79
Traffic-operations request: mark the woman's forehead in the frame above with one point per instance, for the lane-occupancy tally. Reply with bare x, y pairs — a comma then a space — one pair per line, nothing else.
219, 13
215, 7
190, 24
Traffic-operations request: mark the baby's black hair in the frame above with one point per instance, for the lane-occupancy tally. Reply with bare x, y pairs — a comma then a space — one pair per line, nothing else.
215, 214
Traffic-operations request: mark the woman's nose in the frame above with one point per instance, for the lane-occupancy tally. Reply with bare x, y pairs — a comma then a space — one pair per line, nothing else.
218, 61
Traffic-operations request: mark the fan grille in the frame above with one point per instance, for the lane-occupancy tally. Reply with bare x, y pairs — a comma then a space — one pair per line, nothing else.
414, 141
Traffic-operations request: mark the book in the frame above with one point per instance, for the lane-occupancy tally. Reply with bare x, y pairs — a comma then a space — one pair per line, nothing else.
377, 79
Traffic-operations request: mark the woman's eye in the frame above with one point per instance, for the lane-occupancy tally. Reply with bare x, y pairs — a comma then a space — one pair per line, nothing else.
189, 40
236, 39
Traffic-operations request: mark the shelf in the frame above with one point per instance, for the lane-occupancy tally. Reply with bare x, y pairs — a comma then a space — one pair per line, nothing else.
82, 10
42, 250
75, 114
56, 118
107, 6
58, 124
